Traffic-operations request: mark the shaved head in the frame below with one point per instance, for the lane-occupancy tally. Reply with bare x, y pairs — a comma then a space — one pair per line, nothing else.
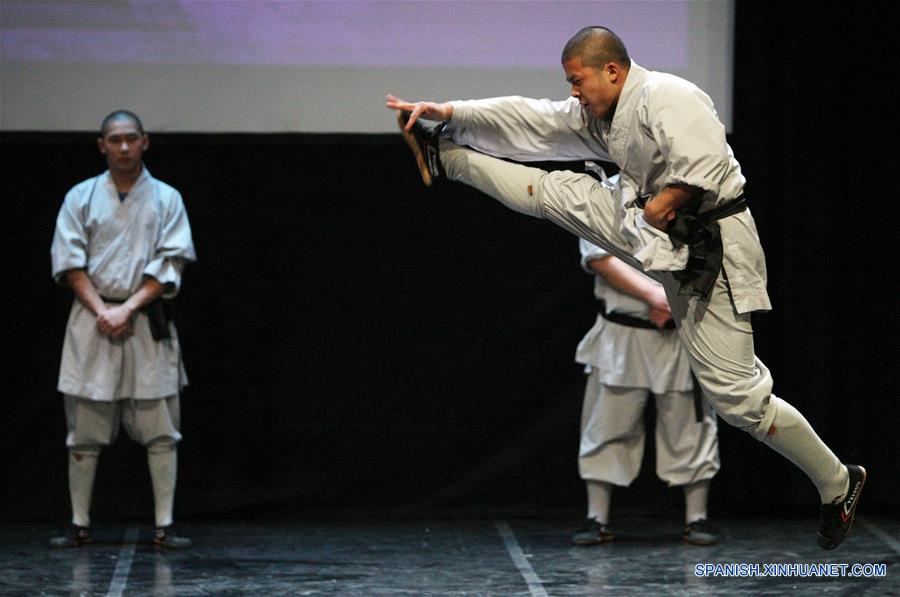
121, 115
596, 46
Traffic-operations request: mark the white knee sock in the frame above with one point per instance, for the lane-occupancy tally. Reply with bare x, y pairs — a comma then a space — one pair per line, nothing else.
162, 460
599, 497
793, 437
82, 470
696, 496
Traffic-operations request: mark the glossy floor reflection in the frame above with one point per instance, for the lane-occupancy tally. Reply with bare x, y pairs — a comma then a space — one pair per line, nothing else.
447, 556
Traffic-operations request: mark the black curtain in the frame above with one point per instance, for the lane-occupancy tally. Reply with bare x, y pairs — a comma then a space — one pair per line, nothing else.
355, 340
812, 115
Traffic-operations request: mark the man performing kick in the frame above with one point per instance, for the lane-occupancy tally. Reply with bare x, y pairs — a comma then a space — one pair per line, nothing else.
679, 214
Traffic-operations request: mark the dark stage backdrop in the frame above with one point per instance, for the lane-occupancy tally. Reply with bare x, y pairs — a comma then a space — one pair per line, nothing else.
354, 340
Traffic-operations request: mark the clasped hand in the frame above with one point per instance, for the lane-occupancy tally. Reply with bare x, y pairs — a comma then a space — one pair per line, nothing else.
116, 322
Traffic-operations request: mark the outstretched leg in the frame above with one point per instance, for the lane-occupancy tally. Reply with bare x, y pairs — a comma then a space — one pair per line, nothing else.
576, 202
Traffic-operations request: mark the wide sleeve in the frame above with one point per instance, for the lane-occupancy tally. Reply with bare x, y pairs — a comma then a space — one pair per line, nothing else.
651, 247
690, 136
174, 247
655, 251
590, 252
525, 129
70, 238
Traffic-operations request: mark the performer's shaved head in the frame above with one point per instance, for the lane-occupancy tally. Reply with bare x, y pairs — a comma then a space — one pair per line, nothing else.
596, 46
121, 115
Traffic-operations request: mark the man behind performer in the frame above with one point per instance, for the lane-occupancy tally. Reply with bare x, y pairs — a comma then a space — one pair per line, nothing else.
631, 351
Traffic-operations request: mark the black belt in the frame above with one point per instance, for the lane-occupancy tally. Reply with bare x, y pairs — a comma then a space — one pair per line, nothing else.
630, 321
700, 232
637, 322
159, 314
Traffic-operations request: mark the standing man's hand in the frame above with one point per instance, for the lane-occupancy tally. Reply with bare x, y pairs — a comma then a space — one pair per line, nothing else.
625, 278
660, 312
116, 321
428, 110
659, 317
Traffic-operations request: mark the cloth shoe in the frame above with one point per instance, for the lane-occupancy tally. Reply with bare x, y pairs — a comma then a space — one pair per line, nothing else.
592, 532
701, 532
76, 537
167, 537
835, 519
424, 145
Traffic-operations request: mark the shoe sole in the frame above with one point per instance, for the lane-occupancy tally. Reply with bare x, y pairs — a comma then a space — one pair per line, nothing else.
589, 542
69, 544
703, 543
852, 515
414, 146
164, 545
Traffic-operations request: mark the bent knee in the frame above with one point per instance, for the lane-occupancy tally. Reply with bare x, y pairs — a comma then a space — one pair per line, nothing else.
747, 414
162, 445
79, 452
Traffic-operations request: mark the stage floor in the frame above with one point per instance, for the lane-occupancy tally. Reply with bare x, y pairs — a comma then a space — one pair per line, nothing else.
450, 556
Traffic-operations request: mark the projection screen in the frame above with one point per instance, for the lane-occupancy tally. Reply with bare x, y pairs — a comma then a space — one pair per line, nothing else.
321, 66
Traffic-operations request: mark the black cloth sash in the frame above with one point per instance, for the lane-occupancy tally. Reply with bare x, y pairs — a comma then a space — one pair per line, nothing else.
700, 232
630, 321
159, 314
637, 322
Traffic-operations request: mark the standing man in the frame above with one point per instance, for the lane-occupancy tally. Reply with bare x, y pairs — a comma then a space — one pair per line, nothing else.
681, 212
632, 350
122, 241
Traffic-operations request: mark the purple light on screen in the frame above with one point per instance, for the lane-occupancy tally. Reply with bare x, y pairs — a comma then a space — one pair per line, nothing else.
523, 34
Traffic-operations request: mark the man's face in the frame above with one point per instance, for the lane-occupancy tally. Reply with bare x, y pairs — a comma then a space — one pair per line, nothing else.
596, 88
123, 144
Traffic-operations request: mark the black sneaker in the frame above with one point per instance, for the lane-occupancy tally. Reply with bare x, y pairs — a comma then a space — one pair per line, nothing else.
592, 533
424, 145
701, 532
76, 537
167, 537
835, 519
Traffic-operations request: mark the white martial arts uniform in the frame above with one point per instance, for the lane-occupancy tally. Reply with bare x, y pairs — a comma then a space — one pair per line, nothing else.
665, 131
118, 242
133, 382
624, 364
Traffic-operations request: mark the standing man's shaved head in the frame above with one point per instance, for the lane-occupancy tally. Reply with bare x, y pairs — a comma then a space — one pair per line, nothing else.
120, 115
123, 141
596, 46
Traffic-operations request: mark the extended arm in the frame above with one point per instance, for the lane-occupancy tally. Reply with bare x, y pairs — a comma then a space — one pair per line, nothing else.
440, 111
514, 127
